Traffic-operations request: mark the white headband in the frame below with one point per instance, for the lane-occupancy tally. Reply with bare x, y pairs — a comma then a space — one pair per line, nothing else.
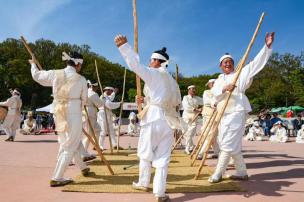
92, 84
17, 92
210, 81
192, 86
225, 56
160, 57
109, 88
65, 57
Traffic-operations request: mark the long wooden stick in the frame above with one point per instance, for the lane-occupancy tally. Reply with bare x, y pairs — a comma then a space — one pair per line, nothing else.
95, 143
176, 73
138, 85
195, 117
176, 79
29, 50
120, 112
105, 109
204, 131
205, 135
221, 112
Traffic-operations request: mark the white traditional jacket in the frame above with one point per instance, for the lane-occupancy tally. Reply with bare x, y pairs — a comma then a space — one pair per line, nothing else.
280, 134
189, 105
238, 100
14, 104
209, 103
70, 100
161, 88
29, 124
94, 102
110, 105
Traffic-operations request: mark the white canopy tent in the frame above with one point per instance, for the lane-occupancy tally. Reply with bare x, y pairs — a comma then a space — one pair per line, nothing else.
49, 108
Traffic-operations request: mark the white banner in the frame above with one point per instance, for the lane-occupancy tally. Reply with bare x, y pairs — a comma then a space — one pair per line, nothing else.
129, 106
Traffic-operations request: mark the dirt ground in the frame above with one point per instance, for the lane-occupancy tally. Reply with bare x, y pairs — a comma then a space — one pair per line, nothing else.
276, 173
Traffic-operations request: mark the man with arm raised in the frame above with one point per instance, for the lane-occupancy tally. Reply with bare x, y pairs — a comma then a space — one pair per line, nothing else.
158, 118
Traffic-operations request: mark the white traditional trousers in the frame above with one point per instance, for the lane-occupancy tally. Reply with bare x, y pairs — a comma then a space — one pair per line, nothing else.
85, 140
103, 125
70, 143
214, 144
11, 124
231, 130
190, 133
154, 149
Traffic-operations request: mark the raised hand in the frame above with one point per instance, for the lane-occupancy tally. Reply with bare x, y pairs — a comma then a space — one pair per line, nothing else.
120, 40
269, 39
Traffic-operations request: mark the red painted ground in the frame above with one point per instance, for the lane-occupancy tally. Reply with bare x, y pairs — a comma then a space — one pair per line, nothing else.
276, 174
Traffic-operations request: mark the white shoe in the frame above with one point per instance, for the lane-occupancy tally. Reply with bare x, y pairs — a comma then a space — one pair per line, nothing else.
136, 186
163, 198
214, 180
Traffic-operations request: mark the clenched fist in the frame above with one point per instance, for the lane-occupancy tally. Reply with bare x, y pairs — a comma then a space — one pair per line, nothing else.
269, 39
120, 40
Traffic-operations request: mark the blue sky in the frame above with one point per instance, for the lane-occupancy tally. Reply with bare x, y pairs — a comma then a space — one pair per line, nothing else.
195, 32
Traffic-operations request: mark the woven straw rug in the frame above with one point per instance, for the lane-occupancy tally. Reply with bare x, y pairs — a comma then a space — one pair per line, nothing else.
180, 176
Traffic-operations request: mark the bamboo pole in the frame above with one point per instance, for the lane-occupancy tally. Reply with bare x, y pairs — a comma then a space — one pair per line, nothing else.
105, 108
138, 85
28, 48
202, 142
221, 112
205, 130
102, 158
176, 79
120, 112
176, 73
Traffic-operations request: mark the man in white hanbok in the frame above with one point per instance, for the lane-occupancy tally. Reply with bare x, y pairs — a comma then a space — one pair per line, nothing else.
94, 103
158, 118
192, 106
279, 133
133, 128
300, 135
70, 95
107, 127
232, 124
255, 132
29, 124
208, 110
13, 118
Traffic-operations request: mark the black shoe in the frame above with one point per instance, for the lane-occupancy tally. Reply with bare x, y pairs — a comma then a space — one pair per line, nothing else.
10, 139
86, 172
55, 183
240, 178
120, 148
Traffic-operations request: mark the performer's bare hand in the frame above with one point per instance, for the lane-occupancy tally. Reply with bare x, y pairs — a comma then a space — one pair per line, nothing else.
269, 39
31, 61
140, 100
229, 87
120, 40
198, 110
